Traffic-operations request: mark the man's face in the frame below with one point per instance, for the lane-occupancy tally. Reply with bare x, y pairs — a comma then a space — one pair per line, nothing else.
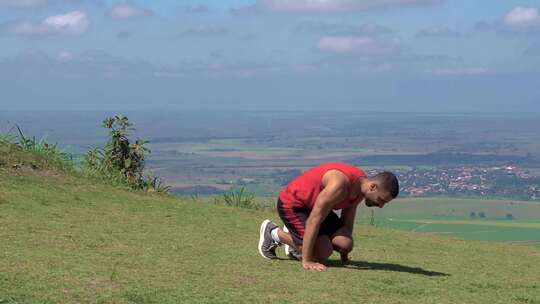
376, 198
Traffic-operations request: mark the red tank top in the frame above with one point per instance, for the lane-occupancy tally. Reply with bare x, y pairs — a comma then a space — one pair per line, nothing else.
303, 191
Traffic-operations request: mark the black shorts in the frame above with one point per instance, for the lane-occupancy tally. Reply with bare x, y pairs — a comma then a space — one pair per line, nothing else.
295, 220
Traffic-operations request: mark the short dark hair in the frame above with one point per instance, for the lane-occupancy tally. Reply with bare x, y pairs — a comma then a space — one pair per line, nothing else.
388, 182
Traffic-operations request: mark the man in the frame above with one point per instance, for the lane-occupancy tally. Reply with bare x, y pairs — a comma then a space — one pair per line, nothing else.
312, 229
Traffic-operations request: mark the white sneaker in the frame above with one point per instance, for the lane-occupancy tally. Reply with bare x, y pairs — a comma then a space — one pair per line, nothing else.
290, 251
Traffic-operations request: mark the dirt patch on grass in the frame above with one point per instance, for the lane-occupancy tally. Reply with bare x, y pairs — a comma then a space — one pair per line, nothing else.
15, 160
530, 242
46, 173
31, 169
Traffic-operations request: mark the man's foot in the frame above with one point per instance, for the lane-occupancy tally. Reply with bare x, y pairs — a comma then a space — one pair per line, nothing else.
290, 251
267, 246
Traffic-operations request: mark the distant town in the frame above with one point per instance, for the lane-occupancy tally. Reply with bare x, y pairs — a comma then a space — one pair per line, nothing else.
489, 181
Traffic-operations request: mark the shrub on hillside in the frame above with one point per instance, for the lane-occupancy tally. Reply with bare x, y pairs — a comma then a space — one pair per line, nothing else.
121, 161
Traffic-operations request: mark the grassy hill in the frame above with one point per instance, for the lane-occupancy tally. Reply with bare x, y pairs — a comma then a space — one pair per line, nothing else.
66, 239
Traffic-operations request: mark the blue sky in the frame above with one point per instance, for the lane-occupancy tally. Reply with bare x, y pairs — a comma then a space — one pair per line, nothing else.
361, 55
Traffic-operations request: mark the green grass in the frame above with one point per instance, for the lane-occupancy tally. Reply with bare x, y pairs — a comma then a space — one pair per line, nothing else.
457, 208
68, 240
520, 233
449, 216
37, 155
490, 223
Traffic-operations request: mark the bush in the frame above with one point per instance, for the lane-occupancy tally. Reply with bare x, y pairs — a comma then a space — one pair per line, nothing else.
120, 161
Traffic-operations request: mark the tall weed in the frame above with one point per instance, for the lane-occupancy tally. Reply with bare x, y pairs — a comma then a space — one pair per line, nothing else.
240, 198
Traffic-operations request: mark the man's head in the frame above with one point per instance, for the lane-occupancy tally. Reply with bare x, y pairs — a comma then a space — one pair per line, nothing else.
380, 189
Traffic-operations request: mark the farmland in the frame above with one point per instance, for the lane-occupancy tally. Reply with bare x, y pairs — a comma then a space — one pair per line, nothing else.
514, 222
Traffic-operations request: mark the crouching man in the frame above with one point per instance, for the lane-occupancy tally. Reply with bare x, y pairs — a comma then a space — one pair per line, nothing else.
312, 229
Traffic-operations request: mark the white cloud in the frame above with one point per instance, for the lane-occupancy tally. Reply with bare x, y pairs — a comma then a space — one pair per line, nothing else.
522, 16
356, 45
124, 11
336, 5
74, 23
22, 3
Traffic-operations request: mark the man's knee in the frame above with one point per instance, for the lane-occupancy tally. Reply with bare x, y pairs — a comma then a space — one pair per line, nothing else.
324, 248
343, 244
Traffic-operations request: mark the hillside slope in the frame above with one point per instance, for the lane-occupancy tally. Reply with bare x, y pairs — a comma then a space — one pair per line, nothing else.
68, 240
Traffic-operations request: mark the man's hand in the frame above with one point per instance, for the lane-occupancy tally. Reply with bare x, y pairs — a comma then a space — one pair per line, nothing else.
313, 266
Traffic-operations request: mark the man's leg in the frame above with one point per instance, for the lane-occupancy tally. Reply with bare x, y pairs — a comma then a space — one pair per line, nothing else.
323, 249
342, 240
323, 245
295, 220
267, 244
286, 238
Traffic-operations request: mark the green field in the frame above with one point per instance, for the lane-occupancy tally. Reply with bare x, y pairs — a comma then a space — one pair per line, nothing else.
452, 217
70, 240
524, 233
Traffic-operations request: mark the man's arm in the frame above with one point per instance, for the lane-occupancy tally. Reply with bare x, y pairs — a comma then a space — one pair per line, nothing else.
348, 215
335, 190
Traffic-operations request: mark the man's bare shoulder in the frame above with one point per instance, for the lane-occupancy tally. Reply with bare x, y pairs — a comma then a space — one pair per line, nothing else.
336, 178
